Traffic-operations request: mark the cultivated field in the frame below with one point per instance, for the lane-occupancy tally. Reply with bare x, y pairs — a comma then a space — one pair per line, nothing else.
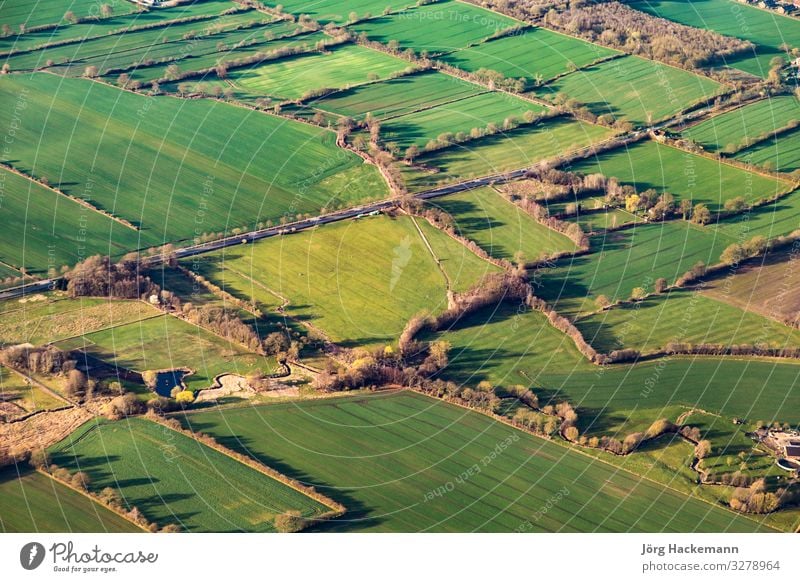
173, 479
535, 54
501, 228
457, 116
634, 257
781, 153
166, 342
778, 218
50, 230
733, 129
16, 12
437, 28
639, 86
293, 77
359, 281
764, 28
648, 164
18, 396
325, 11
400, 96
34, 503
190, 175
649, 325
503, 152
382, 442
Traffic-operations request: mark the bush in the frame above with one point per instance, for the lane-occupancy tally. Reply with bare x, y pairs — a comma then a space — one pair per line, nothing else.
290, 522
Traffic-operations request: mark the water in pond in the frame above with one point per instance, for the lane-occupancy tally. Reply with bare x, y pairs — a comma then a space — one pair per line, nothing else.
166, 381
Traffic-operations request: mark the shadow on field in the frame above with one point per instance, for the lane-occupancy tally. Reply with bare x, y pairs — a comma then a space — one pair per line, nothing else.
357, 515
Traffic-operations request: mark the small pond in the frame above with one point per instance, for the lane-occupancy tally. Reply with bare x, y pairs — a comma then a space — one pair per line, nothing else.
166, 381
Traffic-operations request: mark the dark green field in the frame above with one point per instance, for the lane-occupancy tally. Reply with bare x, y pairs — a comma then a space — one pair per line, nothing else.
174, 479
381, 454
34, 503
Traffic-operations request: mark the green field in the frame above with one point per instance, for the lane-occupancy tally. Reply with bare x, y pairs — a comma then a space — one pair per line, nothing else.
57, 318
457, 116
649, 325
381, 454
24, 396
778, 218
643, 91
166, 42
359, 282
732, 128
507, 346
176, 168
648, 164
764, 28
174, 479
43, 12
166, 342
34, 503
44, 230
398, 96
437, 28
625, 259
293, 77
780, 153
325, 11
120, 22
534, 54
501, 228
511, 150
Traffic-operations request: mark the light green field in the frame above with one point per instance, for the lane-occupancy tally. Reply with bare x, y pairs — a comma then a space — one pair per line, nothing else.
730, 129
173, 479
775, 219
765, 28
781, 153
501, 228
56, 318
503, 152
292, 77
534, 54
166, 342
44, 230
437, 28
24, 395
648, 164
359, 282
381, 454
324, 11
399, 96
35, 503
625, 259
649, 325
128, 48
643, 91
176, 168
507, 346
457, 116
120, 22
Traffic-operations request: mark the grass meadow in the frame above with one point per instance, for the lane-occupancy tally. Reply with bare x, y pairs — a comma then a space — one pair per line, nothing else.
781, 153
730, 129
533, 54
359, 282
500, 227
648, 164
31, 502
638, 93
177, 168
437, 28
384, 455
503, 152
173, 479
325, 11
